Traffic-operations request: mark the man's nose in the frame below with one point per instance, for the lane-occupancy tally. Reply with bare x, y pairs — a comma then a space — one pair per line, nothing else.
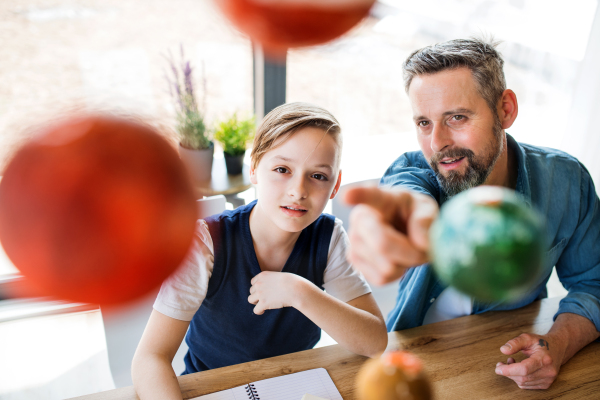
440, 138
298, 187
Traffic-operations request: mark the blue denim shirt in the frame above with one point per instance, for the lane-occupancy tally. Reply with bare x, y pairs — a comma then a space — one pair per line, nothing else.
554, 183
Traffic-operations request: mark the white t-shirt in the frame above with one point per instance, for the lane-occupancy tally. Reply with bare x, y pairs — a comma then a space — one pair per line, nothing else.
183, 292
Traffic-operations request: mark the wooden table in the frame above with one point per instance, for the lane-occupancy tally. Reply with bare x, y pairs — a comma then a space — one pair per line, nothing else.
459, 356
222, 183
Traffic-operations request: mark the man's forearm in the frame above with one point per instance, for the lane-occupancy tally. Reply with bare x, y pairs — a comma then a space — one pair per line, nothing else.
574, 332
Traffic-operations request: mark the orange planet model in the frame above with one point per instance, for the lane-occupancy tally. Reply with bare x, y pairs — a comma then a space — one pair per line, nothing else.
96, 209
281, 24
396, 375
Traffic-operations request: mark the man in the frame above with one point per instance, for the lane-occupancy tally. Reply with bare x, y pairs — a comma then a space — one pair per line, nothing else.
461, 108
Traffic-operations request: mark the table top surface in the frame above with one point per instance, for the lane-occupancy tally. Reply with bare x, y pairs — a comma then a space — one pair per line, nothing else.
459, 356
222, 183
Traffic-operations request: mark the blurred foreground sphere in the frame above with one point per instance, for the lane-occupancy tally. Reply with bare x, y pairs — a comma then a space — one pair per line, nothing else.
96, 209
396, 375
488, 244
281, 24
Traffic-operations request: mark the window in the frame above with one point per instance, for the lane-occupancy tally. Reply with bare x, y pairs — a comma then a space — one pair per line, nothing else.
359, 79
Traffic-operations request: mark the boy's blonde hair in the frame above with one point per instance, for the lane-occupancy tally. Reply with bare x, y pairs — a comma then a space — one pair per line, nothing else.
285, 120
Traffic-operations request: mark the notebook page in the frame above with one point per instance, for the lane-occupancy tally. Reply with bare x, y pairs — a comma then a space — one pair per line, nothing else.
237, 393
293, 386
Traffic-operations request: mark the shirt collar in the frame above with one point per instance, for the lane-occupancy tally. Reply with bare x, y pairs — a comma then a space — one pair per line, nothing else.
523, 185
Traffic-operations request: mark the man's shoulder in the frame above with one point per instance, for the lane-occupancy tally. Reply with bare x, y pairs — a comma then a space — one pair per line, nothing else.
552, 163
414, 159
559, 185
412, 171
546, 152
548, 155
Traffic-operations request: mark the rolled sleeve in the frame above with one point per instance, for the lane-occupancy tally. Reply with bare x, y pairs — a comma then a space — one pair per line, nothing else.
578, 267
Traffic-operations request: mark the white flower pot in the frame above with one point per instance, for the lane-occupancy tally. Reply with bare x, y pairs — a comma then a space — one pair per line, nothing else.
198, 162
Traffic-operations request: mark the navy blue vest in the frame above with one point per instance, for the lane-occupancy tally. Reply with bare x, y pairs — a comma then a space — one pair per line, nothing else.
224, 330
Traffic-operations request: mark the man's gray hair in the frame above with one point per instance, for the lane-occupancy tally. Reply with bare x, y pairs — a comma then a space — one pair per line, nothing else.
479, 55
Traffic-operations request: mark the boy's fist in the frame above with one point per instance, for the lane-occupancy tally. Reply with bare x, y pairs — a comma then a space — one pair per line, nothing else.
271, 290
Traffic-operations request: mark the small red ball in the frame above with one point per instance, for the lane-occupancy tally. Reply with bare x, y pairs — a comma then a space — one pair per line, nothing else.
96, 210
279, 25
396, 375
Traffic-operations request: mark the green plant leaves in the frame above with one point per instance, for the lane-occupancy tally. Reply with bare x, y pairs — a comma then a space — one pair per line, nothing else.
234, 134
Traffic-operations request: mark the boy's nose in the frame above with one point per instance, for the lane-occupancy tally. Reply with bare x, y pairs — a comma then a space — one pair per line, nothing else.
297, 188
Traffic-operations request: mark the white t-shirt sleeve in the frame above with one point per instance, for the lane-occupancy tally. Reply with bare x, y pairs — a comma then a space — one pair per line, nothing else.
182, 293
340, 280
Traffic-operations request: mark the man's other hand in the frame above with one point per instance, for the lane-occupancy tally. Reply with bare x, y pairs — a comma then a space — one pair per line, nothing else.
389, 231
540, 369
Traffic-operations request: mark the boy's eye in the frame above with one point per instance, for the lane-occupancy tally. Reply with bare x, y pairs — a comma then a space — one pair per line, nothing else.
320, 177
281, 170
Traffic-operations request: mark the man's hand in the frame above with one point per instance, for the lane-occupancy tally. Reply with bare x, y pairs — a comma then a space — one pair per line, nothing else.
271, 290
389, 231
540, 369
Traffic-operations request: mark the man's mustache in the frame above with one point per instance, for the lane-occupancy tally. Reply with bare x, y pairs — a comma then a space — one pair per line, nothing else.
452, 153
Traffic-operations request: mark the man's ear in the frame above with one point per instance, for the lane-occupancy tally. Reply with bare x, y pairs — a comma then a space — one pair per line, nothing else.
508, 108
337, 185
253, 176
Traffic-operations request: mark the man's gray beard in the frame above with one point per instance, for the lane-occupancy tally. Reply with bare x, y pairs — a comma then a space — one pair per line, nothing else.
478, 168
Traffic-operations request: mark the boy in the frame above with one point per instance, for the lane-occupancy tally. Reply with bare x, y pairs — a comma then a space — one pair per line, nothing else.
277, 253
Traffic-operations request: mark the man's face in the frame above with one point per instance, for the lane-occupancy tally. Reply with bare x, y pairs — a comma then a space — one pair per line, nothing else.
458, 133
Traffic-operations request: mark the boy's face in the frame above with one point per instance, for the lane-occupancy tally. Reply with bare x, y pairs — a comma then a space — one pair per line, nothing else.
295, 179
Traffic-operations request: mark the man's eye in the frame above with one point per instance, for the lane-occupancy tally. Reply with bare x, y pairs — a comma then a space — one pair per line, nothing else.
320, 177
281, 170
423, 123
458, 117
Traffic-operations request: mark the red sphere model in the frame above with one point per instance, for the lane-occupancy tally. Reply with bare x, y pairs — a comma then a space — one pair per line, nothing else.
396, 375
280, 24
97, 210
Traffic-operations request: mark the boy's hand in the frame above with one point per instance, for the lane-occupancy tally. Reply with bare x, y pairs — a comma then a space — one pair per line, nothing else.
271, 290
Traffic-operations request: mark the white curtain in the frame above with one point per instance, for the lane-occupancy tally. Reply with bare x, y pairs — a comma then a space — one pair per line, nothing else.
582, 138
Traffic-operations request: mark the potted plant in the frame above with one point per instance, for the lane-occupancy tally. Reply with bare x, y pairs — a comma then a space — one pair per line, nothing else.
196, 150
234, 135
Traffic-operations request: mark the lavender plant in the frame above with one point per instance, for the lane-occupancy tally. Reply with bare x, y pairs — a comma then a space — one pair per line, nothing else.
190, 120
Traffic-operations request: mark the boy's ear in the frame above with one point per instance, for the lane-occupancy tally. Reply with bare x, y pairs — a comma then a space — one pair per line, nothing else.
337, 185
253, 176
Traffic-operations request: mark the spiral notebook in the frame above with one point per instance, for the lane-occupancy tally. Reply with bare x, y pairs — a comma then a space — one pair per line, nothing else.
287, 387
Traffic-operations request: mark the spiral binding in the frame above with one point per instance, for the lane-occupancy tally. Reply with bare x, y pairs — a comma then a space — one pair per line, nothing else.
251, 392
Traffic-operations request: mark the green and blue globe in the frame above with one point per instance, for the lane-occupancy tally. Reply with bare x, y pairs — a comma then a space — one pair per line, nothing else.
487, 243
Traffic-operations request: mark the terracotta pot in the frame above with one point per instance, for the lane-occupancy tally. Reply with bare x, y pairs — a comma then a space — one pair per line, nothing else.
234, 164
198, 162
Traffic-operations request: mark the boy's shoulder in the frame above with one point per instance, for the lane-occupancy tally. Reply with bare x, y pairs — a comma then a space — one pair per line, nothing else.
230, 214
246, 209
323, 219
218, 224
328, 217
323, 226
